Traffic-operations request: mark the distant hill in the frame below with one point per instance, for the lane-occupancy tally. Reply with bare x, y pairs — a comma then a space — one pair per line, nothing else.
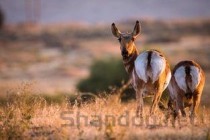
100, 11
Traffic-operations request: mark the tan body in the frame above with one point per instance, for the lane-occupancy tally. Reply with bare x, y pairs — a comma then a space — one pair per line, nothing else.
186, 87
149, 70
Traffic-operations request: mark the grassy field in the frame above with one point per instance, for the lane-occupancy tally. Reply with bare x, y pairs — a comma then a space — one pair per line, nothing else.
26, 116
40, 67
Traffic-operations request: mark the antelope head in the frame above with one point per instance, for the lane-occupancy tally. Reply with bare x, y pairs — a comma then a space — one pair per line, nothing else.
126, 40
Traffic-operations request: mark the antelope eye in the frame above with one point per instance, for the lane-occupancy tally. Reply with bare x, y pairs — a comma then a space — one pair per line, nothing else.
119, 39
133, 39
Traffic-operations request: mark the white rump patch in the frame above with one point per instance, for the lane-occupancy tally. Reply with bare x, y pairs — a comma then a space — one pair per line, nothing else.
158, 65
180, 78
141, 66
195, 75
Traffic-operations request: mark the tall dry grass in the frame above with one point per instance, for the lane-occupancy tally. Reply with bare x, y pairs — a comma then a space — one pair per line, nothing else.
26, 116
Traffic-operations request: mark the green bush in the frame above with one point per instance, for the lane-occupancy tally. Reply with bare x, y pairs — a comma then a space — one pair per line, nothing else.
104, 73
110, 73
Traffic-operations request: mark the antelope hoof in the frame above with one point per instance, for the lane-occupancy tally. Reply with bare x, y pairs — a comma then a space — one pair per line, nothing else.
175, 114
183, 114
139, 114
192, 118
152, 112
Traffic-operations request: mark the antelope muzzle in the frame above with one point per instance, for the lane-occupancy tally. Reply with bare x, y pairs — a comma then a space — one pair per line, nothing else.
124, 54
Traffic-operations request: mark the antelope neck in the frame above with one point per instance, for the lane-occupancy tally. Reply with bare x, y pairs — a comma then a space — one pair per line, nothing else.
129, 61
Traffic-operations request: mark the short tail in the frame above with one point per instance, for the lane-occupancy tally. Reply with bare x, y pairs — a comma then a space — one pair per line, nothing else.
188, 78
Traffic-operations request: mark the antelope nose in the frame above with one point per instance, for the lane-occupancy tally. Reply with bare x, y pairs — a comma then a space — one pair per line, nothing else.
124, 52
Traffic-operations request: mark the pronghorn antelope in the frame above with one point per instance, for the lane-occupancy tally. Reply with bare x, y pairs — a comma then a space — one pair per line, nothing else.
149, 71
186, 87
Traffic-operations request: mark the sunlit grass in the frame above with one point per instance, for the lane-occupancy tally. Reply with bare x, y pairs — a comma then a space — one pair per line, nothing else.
27, 116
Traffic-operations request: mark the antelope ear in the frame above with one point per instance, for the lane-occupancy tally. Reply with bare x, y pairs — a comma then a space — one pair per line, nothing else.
136, 29
115, 31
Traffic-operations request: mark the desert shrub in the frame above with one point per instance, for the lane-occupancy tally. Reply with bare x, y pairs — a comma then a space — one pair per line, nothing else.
104, 74
57, 98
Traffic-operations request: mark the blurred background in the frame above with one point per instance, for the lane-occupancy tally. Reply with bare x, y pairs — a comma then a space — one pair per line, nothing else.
67, 47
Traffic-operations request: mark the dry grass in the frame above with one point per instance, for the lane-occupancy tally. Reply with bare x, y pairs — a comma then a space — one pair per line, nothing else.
26, 116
